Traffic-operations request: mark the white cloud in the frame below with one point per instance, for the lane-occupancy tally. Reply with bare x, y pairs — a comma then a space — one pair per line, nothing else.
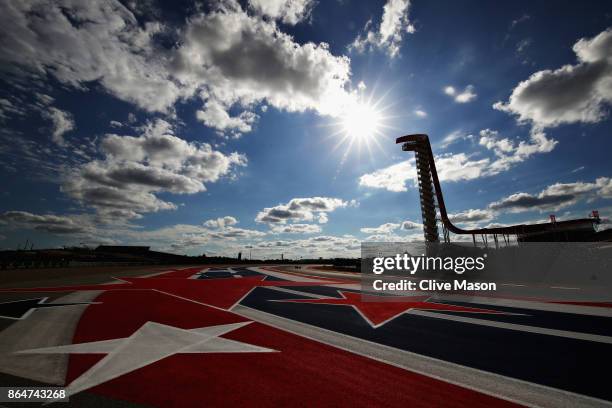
301, 209
571, 94
490, 139
509, 153
420, 113
323, 218
229, 60
381, 229
233, 233
453, 137
136, 168
216, 116
389, 230
296, 229
80, 42
411, 225
467, 95
183, 237
313, 247
241, 60
62, 121
389, 34
461, 166
88, 228
392, 178
456, 167
556, 196
472, 216
221, 222
287, 11
55, 224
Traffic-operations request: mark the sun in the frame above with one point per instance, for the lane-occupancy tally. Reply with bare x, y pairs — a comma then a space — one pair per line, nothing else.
360, 124
361, 121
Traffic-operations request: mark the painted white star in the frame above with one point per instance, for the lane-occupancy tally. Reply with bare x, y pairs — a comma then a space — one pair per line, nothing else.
150, 343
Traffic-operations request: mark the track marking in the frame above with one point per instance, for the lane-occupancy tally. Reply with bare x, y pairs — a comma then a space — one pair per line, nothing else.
507, 388
518, 327
297, 292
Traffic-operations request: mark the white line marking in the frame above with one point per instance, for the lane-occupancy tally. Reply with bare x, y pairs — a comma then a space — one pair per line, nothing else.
297, 292
519, 327
564, 287
532, 304
197, 274
496, 385
287, 276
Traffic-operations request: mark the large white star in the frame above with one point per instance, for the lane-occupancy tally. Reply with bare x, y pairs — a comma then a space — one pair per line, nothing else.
150, 343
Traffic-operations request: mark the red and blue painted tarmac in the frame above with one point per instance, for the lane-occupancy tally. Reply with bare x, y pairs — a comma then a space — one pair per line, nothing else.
263, 336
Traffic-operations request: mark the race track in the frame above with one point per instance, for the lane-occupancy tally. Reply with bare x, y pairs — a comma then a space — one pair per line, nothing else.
278, 336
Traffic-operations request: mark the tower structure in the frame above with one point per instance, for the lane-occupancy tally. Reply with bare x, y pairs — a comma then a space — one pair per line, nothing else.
432, 201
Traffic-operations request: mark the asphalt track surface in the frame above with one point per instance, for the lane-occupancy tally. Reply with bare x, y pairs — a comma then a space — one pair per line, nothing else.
277, 336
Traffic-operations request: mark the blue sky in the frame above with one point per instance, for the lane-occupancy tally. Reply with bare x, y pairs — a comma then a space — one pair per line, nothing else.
269, 125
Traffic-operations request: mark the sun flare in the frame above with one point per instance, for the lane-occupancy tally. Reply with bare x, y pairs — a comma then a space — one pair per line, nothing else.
361, 124
361, 121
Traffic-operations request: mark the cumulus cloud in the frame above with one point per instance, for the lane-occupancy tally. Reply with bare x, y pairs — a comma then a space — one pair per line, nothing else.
216, 116
313, 247
467, 95
509, 153
381, 229
420, 113
287, 11
301, 209
392, 178
389, 34
80, 42
55, 224
228, 59
296, 229
472, 216
175, 238
234, 233
451, 167
136, 168
556, 196
576, 93
461, 166
221, 222
241, 60
390, 229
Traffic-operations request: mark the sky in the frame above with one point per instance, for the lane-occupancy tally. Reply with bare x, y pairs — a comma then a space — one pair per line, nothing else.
268, 126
